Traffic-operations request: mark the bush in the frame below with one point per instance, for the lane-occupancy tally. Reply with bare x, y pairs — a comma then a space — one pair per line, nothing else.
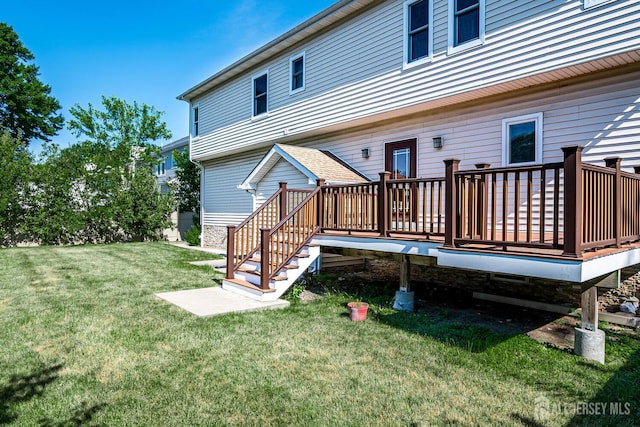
193, 236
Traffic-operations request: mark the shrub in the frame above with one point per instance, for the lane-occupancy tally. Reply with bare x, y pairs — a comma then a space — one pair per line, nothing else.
193, 236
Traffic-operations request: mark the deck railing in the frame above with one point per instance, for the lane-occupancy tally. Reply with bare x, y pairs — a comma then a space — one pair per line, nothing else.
282, 242
243, 240
510, 206
571, 205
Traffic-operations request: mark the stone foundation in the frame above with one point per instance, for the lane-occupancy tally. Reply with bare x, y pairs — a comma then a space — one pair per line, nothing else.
214, 236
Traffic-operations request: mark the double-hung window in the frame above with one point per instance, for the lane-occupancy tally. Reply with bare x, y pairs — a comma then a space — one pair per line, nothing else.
466, 24
418, 31
522, 140
195, 131
260, 94
297, 72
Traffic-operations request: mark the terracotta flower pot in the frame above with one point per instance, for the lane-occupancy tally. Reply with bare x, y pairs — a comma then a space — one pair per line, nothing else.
358, 311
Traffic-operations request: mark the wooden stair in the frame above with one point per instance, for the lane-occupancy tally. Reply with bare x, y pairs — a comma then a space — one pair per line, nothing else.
246, 279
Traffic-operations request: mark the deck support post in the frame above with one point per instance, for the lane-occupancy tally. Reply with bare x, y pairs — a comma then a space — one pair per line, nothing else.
614, 163
405, 266
383, 205
589, 340
450, 202
572, 201
404, 297
231, 250
265, 235
283, 201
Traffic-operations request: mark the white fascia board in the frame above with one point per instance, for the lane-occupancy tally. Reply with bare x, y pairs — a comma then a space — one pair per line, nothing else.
545, 268
383, 245
258, 172
600, 266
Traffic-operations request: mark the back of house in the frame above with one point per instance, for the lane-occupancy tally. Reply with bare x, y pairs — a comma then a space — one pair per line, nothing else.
404, 85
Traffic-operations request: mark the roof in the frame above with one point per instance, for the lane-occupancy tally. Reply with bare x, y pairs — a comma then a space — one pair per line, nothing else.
307, 29
174, 145
315, 164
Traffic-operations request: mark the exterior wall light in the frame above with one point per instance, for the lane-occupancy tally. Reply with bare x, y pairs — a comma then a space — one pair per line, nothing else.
437, 142
365, 153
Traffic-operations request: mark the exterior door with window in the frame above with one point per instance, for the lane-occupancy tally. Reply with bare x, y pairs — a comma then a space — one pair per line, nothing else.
401, 161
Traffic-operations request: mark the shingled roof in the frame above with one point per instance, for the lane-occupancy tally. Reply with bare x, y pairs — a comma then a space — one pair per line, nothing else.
314, 163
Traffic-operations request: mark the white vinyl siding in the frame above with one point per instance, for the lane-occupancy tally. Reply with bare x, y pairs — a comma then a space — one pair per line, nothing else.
343, 85
603, 115
283, 171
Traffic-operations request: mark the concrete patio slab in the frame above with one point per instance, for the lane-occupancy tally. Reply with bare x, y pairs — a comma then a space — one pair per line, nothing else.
216, 301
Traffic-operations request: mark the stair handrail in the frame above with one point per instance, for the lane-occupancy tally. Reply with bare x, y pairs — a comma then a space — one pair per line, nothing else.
271, 265
235, 255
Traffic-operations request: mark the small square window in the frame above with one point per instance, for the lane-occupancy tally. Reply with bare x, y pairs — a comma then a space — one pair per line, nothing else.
297, 72
260, 87
522, 140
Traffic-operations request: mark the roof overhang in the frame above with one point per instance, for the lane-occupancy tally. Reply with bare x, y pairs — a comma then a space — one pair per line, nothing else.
269, 161
312, 26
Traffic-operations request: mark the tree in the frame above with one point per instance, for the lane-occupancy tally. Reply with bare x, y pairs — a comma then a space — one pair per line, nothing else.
120, 126
27, 109
188, 182
15, 173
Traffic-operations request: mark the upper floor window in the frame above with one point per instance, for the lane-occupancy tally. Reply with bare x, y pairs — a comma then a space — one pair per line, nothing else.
466, 24
195, 131
160, 169
418, 24
297, 72
260, 88
522, 140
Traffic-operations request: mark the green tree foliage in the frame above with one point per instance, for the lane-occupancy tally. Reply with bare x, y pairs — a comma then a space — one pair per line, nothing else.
120, 125
27, 109
15, 173
188, 182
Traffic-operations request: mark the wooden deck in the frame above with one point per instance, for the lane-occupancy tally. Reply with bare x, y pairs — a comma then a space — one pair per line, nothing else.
568, 210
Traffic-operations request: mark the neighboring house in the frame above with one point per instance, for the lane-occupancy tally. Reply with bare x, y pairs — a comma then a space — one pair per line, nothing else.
166, 171
404, 86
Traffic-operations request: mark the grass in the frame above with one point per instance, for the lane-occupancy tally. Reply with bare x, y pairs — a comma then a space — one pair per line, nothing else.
84, 341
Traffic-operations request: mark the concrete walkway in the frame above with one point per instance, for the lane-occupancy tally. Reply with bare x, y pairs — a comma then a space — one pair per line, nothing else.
215, 301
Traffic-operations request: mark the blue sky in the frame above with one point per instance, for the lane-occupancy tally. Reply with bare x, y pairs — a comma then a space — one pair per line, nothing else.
149, 52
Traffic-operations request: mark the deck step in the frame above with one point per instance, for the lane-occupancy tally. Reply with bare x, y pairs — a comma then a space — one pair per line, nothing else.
248, 285
257, 273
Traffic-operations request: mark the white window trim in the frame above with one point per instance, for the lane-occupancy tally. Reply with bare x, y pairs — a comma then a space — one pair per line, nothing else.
405, 44
451, 49
253, 82
537, 117
192, 117
302, 55
593, 3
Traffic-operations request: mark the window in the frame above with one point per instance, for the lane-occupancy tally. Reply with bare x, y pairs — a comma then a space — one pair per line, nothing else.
195, 131
466, 24
297, 71
160, 169
260, 87
522, 140
418, 24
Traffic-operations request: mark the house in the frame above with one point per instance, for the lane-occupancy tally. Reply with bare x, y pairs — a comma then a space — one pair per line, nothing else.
166, 171
509, 132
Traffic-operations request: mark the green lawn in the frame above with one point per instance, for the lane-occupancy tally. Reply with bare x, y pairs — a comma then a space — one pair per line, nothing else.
84, 341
